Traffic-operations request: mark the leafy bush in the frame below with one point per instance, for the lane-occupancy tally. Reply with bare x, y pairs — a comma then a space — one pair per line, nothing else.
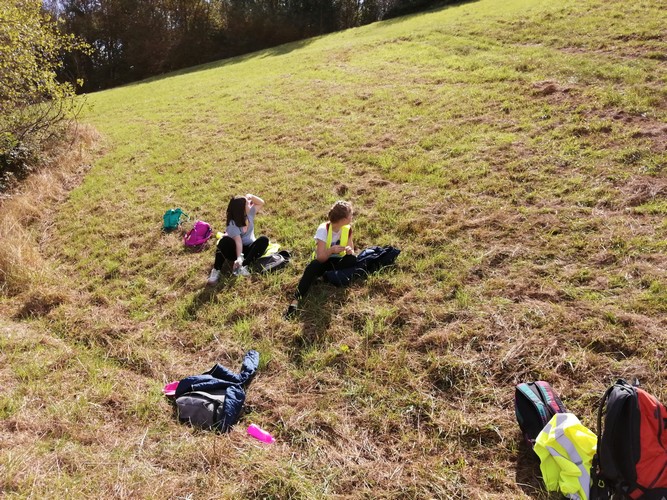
32, 101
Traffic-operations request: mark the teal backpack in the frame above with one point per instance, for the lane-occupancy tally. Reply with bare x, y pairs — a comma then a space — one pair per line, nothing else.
172, 219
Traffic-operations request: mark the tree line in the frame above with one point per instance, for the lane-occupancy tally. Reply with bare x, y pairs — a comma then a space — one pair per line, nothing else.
136, 39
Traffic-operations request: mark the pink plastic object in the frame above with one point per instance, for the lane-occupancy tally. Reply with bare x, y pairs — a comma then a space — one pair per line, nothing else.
258, 433
170, 389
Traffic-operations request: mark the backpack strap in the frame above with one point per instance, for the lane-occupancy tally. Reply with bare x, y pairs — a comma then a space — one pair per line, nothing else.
219, 398
536, 401
603, 402
549, 397
600, 489
181, 214
187, 236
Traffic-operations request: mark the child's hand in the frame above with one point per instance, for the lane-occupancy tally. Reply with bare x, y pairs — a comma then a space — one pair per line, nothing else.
349, 250
337, 249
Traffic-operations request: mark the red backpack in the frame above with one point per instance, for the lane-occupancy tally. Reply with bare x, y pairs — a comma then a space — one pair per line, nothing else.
631, 458
198, 236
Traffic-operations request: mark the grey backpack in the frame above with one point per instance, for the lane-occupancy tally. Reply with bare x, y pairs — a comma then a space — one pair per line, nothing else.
272, 262
202, 409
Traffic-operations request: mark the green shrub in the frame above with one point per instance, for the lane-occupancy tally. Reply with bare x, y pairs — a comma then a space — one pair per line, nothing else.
32, 100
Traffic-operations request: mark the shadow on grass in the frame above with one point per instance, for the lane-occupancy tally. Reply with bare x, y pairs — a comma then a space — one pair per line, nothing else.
274, 51
528, 474
316, 312
207, 294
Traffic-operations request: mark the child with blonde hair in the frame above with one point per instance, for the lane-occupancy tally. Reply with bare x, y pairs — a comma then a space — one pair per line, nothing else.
334, 249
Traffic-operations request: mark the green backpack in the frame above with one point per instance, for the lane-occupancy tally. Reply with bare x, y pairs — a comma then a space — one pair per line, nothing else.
172, 219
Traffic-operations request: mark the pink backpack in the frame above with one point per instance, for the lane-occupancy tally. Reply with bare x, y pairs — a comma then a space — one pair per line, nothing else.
198, 235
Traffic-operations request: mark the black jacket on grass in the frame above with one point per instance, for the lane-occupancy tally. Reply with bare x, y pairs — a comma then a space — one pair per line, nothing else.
370, 260
220, 378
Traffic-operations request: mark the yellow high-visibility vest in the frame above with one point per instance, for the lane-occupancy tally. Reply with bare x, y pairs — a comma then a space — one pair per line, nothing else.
344, 236
566, 450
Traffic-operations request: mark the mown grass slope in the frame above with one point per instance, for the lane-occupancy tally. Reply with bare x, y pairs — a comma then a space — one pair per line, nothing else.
514, 152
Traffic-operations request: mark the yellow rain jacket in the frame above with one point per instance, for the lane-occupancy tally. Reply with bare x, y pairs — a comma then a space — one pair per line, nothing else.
566, 450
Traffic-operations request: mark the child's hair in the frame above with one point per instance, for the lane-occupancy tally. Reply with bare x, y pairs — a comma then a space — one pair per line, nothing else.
340, 210
236, 211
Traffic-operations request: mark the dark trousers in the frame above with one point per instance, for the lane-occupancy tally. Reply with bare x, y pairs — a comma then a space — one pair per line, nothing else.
316, 269
226, 250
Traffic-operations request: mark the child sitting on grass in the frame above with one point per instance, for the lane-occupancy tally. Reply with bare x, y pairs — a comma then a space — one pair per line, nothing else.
239, 245
334, 249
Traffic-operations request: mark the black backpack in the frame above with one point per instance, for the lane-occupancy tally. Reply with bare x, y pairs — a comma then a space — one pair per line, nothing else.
369, 260
374, 258
272, 262
534, 405
631, 458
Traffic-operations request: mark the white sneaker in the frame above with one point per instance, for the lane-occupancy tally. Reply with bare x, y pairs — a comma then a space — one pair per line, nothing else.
242, 271
213, 277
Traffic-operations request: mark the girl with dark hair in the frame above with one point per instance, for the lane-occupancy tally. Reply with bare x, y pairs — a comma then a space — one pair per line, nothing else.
238, 244
334, 249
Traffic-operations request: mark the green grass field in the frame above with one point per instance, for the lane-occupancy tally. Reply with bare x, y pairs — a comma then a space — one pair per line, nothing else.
514, 151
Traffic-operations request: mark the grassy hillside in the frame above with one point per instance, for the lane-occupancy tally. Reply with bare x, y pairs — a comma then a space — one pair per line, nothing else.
515, 152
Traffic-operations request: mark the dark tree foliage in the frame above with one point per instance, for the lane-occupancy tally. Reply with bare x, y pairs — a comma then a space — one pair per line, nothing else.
406, 7
135, 39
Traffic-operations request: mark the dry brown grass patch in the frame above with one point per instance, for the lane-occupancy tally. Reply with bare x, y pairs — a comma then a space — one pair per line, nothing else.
640, 190
25, 214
